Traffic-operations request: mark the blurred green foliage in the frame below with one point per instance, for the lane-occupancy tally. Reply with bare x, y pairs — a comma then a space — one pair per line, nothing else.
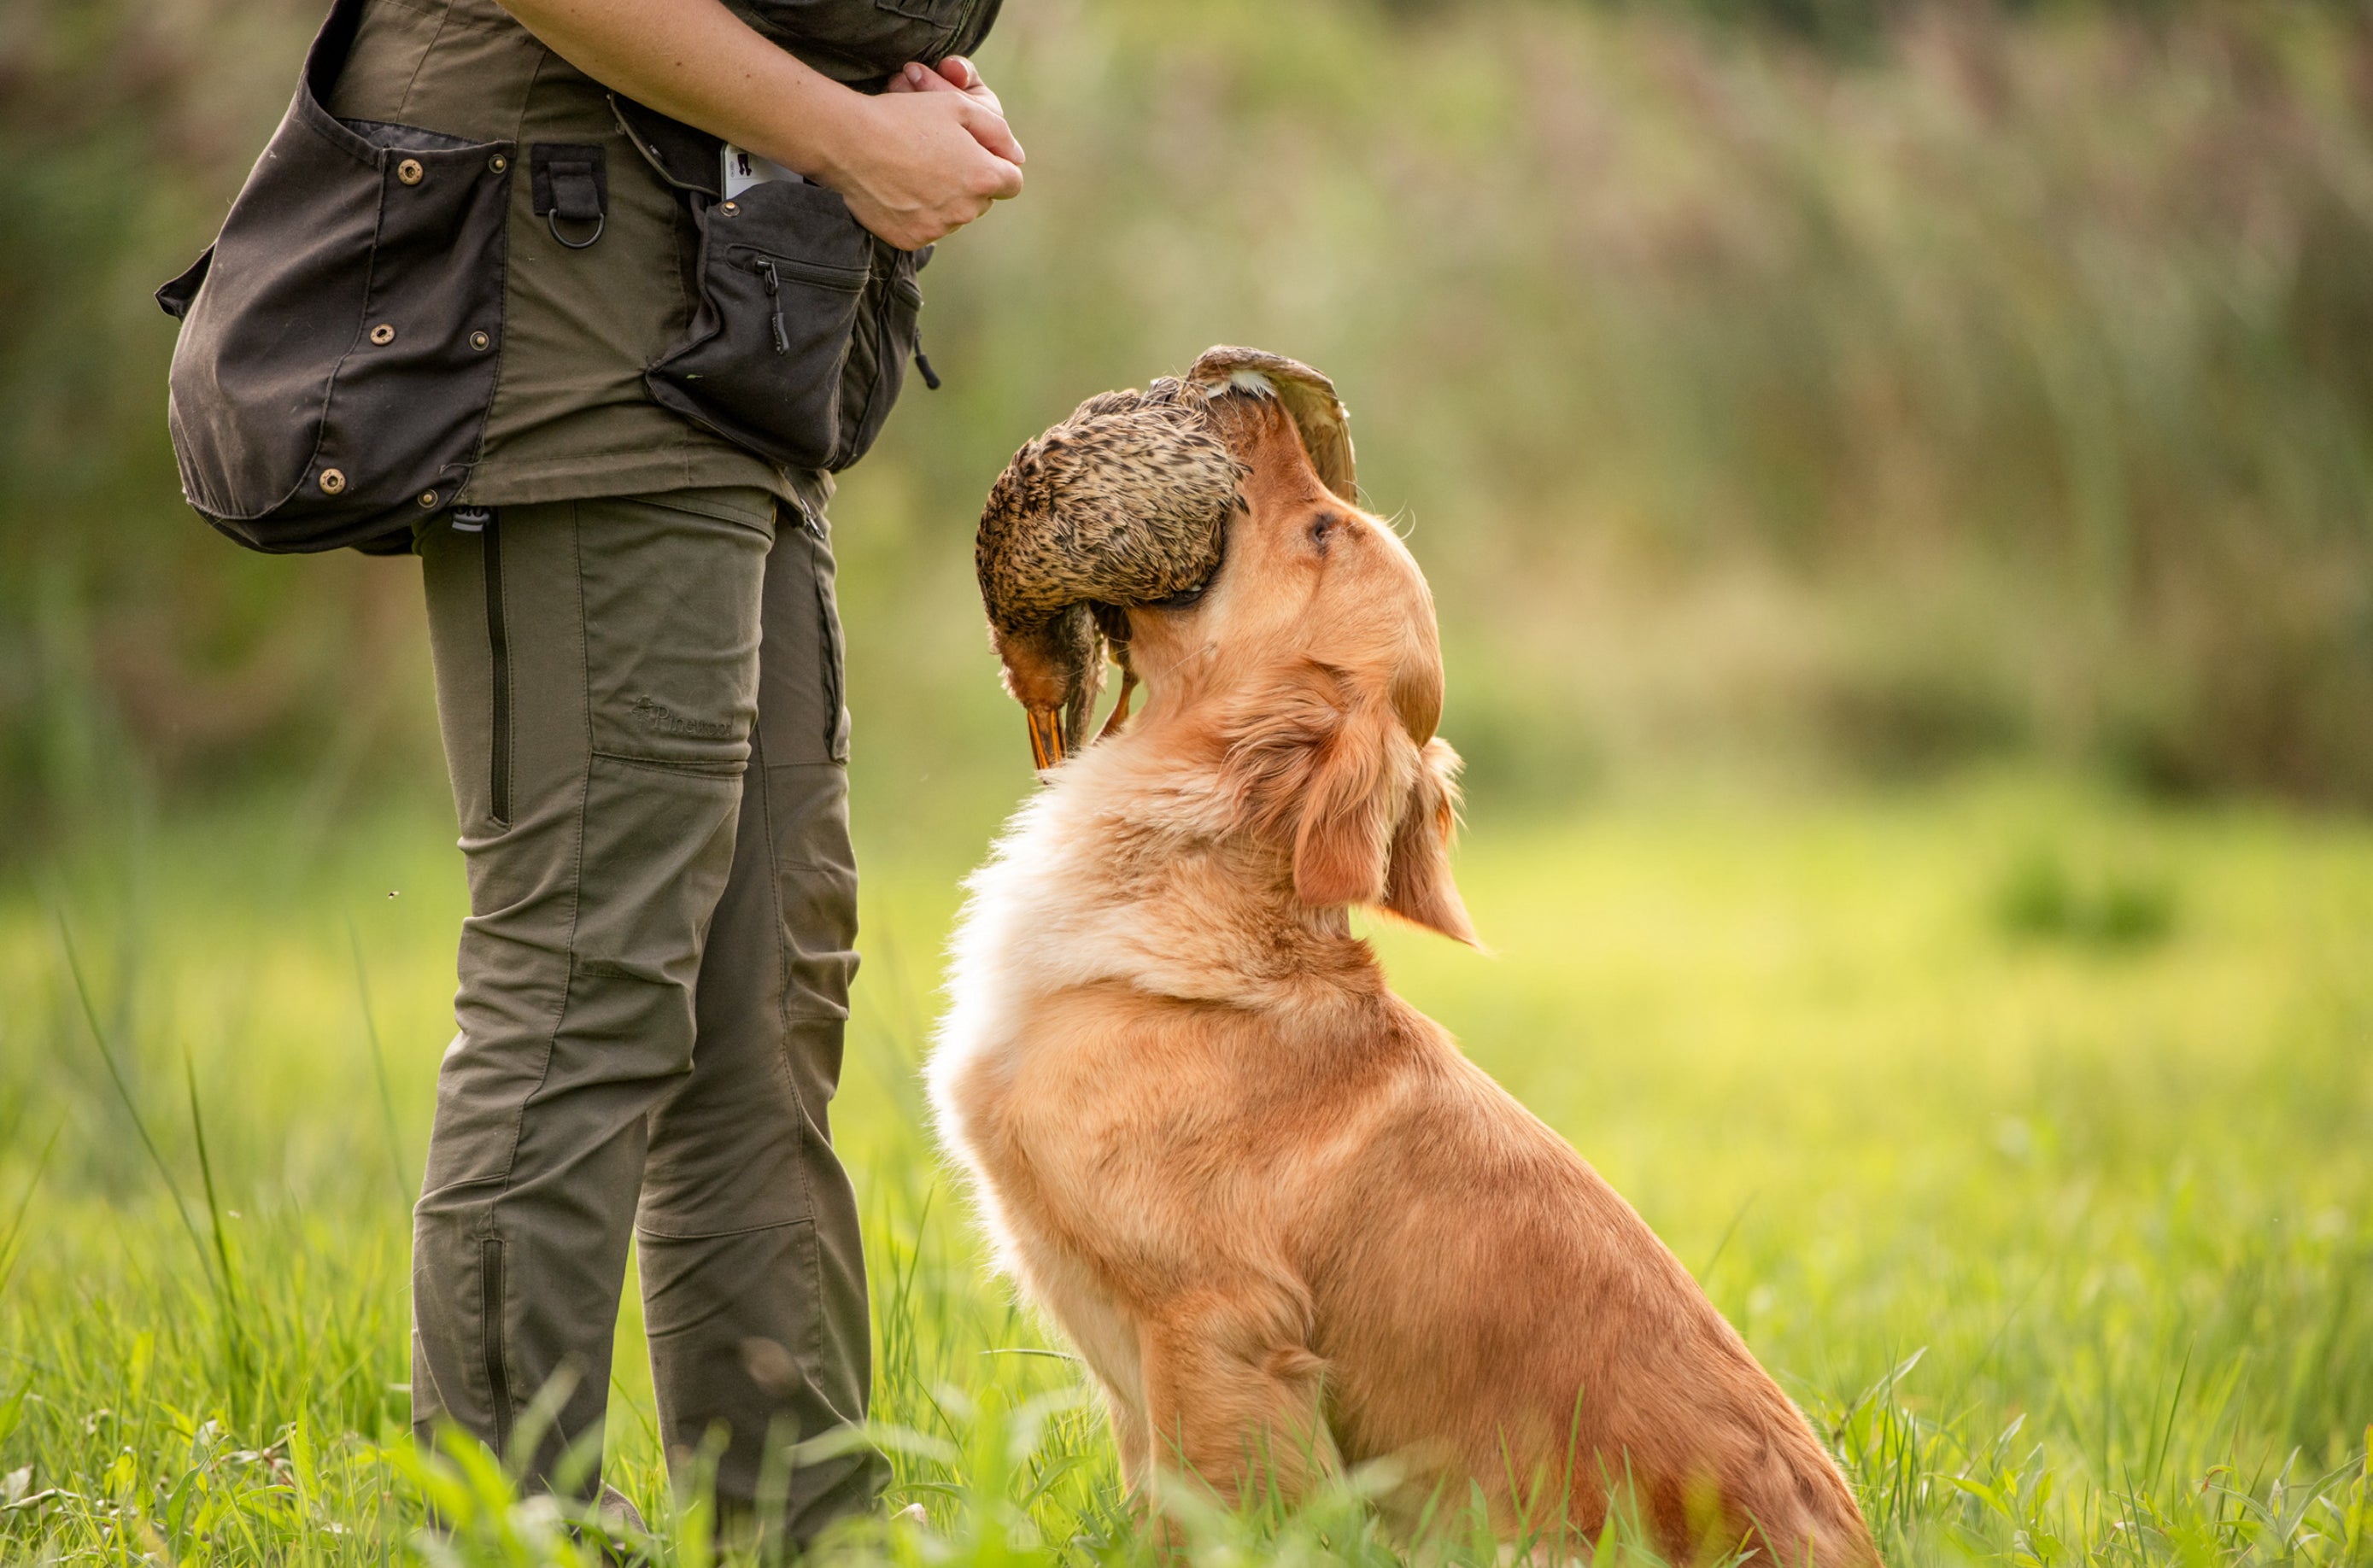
1864, 387
2044, 897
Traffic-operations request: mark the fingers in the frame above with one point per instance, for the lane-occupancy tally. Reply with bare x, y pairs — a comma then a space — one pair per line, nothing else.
956, 75
940, 156
989, 129
955, 72
1006, 183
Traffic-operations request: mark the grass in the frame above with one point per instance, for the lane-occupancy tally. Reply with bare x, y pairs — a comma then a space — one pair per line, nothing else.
2026, 1134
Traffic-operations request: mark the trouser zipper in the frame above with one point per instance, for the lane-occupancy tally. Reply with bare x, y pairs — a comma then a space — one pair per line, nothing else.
490, 1342
498, 647
827, 631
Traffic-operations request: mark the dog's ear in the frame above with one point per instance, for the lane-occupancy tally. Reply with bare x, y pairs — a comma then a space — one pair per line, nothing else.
1418, 885
1308, 765
1369, 815
1343, 848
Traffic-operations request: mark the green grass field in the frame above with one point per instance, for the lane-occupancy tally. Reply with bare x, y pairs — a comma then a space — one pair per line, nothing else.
2028, 1136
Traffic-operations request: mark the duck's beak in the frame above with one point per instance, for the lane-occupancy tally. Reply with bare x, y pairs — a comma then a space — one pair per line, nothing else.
1045, 737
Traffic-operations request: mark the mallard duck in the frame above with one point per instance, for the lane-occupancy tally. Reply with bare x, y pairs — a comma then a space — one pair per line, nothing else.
1127, 502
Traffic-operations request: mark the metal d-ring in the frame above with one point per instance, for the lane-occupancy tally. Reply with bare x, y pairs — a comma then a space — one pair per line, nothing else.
552, 221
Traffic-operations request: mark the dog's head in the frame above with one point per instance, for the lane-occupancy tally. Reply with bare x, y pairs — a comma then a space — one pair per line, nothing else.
1308, 667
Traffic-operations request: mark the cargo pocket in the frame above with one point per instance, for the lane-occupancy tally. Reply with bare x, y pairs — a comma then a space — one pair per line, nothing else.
798, 345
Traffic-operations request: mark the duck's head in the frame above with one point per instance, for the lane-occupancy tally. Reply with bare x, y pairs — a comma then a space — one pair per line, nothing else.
1126, 504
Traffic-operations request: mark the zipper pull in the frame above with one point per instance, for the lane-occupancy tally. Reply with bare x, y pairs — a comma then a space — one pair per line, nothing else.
775, 294
923, 363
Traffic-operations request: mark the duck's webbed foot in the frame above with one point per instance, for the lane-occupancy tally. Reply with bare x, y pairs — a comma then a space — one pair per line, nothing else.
1119, 714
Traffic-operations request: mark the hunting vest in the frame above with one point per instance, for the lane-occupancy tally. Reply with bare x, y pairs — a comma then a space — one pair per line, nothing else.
464, 273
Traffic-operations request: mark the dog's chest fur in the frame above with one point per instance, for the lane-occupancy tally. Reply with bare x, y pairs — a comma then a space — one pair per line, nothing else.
1061, 1078
1042, 920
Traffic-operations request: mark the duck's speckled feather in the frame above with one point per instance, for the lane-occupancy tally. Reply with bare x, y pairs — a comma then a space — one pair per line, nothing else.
1127, 502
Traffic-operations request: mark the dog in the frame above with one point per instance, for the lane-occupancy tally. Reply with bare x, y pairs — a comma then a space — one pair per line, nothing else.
1288, 1228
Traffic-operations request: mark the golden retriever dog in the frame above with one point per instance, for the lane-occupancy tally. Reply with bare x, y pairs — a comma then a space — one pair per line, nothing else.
1288, 1226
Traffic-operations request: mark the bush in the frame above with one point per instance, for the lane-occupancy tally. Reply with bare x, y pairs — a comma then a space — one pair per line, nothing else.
1994, 385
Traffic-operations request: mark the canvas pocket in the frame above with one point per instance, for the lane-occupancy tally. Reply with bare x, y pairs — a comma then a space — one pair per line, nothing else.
805, 323
340, 338
889, 325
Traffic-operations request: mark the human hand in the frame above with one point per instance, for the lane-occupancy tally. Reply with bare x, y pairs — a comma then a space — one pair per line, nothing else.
928, 156
954, 73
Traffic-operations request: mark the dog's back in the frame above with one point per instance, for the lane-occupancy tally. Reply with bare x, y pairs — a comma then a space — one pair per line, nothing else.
1491, 1302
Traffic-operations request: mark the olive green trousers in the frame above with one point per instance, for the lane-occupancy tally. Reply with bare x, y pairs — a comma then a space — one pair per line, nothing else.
641, 706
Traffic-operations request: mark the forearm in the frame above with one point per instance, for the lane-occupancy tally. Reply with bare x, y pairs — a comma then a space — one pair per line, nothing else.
913, 166
697, 61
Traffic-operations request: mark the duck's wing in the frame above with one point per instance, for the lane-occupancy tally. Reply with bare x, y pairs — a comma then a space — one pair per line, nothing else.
1309, 399
1123, 503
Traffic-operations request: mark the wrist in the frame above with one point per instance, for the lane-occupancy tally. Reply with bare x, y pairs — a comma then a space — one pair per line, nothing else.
825, 140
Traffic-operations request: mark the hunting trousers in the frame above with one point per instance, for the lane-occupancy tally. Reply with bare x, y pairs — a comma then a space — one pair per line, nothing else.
641, 706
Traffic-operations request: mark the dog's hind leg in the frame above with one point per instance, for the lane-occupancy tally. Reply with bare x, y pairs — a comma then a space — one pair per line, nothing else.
1236, 1410
1134, 1437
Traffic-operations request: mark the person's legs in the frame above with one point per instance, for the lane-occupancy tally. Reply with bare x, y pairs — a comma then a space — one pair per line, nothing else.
597, 673
753, 1277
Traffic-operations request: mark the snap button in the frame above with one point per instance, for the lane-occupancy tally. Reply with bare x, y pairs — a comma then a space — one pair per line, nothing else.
410, 171
498, 163
428, 499
333, 481
481, 342
382, 334
728, 208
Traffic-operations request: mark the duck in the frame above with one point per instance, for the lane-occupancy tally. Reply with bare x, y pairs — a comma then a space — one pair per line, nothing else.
1127, 502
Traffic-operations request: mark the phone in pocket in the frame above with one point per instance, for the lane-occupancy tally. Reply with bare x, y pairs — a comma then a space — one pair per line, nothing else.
744, 169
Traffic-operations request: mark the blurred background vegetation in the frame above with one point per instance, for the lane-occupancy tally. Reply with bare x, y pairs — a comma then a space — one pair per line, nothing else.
1821, 388
1790, 401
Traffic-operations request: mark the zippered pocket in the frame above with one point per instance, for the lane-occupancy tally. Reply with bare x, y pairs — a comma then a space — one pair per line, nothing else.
771, 270
784, 274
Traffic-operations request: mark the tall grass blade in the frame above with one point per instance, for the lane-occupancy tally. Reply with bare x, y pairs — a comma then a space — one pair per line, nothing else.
123, 1093
11, 1238
226, 1303
378, 1066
